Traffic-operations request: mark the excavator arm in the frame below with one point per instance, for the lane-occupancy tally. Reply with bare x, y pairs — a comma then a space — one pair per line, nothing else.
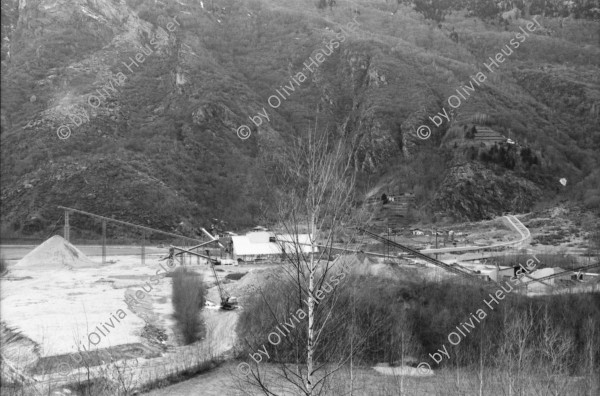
225, 297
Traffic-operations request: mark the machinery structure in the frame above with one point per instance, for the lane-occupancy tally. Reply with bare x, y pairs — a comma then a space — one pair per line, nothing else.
470, 275
227, 301
462, 272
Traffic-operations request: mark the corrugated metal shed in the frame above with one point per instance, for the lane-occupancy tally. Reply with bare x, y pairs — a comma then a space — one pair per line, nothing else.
256, 245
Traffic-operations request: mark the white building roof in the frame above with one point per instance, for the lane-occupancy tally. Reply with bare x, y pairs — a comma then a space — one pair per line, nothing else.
302, 241
258, 243
244, 246
541, 273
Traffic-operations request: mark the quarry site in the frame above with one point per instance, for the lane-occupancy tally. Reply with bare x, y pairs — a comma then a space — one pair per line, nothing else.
300, 198
57, 301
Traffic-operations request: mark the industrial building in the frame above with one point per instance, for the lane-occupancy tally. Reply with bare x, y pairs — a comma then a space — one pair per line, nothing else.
265, 245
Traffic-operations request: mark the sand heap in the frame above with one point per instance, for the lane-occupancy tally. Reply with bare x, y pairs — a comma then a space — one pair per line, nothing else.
55, 253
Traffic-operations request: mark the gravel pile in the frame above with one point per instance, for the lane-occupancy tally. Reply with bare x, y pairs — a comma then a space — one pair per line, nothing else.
55, 253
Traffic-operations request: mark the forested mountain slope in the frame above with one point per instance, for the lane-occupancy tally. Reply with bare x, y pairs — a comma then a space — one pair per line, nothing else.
157, 144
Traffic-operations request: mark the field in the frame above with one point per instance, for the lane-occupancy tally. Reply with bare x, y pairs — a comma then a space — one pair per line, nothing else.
367, 381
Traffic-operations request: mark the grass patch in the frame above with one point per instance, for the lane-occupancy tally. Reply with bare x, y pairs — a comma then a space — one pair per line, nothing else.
235, 275
174, 378
3, 266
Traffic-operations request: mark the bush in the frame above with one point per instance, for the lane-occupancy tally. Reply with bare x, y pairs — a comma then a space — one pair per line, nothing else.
189, 296
3, 266
321, 4
436, 10
385, 319
483, 8
235, 276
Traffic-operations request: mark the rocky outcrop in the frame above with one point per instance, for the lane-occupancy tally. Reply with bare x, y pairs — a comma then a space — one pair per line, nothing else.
472, 192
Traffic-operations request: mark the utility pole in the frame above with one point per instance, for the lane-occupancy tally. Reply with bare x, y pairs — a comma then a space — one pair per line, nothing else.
387, 245
103, 241
143, 248
67, 227
436, 243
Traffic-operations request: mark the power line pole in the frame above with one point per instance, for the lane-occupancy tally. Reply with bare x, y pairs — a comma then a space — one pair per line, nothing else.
67, 227
143, 248
103, 241
387, 245
436, 242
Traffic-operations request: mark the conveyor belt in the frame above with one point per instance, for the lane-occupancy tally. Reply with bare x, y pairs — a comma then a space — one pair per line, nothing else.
574, 270
422, 256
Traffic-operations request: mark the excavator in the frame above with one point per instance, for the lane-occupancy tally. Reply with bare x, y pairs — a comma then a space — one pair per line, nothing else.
227, 301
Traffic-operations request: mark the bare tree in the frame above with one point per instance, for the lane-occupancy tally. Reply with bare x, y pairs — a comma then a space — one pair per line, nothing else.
314, 181
516, 351
320, 181
592, 342
555, 347
481, 372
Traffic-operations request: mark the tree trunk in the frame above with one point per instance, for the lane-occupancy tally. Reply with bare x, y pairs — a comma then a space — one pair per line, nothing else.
311, 310
311, 330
